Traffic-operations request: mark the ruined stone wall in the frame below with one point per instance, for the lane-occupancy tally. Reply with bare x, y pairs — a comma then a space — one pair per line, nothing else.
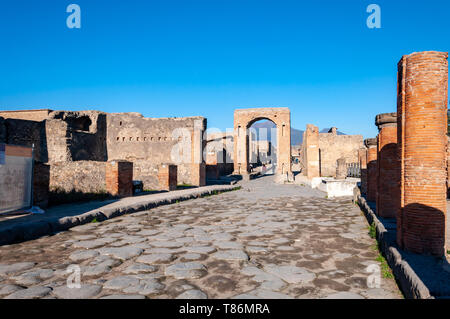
333, 147
79, 176
76, 136
149, 142
29, 115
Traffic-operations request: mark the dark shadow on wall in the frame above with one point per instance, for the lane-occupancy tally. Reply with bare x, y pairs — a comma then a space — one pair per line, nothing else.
88, 142
433, 271
28, 133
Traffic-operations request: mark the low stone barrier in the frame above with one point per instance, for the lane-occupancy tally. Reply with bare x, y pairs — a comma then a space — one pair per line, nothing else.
410, 284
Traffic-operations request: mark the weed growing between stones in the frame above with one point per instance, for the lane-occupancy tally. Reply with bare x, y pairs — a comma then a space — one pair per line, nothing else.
385, 269
372, 231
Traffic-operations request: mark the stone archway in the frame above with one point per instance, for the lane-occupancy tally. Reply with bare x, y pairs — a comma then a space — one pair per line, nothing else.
243, 119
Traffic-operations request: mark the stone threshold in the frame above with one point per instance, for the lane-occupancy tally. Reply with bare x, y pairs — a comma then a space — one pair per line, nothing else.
403, 264
66, 216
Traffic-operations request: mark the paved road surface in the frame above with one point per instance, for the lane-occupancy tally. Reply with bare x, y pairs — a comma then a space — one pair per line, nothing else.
263, 241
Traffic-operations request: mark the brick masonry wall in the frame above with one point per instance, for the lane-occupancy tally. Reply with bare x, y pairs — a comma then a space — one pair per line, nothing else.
371, 169
422, 109
388, 193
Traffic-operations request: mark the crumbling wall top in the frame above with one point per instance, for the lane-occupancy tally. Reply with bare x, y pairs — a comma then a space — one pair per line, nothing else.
386, 119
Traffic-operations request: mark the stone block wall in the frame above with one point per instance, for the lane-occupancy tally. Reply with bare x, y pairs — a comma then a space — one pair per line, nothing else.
79, 176
333, 147
149, 142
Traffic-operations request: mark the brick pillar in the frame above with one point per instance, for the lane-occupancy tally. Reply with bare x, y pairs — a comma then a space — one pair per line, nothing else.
388, 186
311, 149
371, 144
422, 114
448, 170
341, 168
198, 174
119, 178
167, 177
362, 158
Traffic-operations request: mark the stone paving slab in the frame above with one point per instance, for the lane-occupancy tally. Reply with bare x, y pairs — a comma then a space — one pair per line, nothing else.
304, 251
64, 217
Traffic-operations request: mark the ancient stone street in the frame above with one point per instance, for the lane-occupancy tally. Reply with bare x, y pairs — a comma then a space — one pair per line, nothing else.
264, 241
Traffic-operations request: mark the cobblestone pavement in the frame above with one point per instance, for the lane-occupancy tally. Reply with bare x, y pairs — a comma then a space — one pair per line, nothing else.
263, 241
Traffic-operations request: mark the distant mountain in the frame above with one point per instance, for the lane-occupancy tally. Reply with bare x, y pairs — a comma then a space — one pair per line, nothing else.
325, 130
296, 135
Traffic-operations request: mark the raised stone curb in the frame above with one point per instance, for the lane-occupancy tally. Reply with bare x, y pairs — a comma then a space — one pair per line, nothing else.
23, 231
410, 284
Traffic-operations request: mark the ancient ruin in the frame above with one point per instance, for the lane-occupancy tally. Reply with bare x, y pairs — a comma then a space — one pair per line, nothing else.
422, 142
387, 166
243, 119
78, 147
400, 180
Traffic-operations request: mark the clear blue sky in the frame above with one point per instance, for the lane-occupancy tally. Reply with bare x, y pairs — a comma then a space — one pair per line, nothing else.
183, 58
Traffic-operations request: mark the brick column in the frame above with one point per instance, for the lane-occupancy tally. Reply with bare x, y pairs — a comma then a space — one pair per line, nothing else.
119, 178
448, 171
311, 149
371, 144
167, 177
388, 185
362, 158
422, 114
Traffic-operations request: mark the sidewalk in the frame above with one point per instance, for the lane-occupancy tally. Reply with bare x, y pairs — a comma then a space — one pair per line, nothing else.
63, 217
